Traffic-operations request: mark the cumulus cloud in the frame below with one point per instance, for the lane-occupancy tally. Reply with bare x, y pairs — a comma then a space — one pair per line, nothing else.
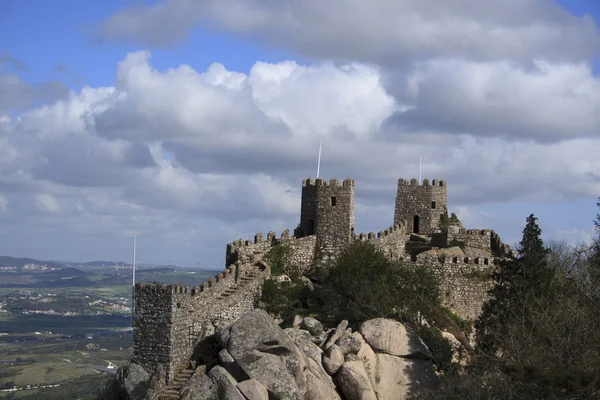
383, 31
238, 145
547, 102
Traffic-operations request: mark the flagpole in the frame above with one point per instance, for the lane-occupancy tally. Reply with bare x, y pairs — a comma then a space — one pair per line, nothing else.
319, 161
133, 283
419, 168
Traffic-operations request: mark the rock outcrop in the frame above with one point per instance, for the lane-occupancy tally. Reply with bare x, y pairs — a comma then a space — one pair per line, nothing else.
258, 360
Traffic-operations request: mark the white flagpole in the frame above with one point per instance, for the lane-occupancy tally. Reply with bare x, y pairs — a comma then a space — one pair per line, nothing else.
419, 168
133, 283
319, 161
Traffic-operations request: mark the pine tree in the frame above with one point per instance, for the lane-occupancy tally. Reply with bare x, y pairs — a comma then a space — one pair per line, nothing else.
594, 260
515, 282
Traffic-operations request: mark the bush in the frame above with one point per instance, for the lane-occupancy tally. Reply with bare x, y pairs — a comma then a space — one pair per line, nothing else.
277, 258
285, 300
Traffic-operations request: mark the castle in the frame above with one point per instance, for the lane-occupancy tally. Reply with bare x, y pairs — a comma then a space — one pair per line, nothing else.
169, 320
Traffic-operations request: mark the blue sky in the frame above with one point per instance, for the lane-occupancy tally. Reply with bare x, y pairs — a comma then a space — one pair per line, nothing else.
375, 95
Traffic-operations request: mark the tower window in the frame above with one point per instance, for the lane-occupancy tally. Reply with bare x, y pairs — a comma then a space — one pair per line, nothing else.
333, 201
433, 204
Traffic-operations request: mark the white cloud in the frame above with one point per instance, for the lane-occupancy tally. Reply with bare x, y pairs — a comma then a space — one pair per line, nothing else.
383, 31
92, 166
546, 102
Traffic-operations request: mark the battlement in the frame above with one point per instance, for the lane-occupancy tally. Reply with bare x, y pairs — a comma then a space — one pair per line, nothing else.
347, 183
170, 318
381, 234
428, 257
477, 232
426, 183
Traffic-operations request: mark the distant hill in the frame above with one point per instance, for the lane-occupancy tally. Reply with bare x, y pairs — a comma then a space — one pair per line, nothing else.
104, 264
7, 261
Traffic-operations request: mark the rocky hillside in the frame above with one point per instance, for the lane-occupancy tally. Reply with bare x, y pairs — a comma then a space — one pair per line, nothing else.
255, 359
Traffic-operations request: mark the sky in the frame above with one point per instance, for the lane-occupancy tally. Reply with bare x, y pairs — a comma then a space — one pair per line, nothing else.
193, 122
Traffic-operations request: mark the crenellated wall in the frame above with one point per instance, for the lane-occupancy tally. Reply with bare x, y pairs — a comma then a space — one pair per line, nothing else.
391, 241
170, 319
464, 282
481, 239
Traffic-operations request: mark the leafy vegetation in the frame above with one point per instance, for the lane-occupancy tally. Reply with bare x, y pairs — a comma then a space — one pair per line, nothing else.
538, 337
363, 283
277, 258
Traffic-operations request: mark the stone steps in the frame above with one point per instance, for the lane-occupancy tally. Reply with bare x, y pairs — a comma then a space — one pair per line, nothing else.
171, 392
251, 276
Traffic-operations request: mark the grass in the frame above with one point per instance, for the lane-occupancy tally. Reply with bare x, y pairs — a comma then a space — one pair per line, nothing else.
47, 372
48, 366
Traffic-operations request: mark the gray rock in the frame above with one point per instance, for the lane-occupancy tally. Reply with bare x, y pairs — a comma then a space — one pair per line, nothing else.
222, 336
312, 325
266, 353
225, 357
231, 366
394, 338
349, 343
302, 339
354, 382
226, 385
398, 378
135, 381
253, 390
336, 334
333, 360
199, 387
296, 321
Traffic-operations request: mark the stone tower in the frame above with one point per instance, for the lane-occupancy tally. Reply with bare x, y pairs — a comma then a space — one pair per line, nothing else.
421, 207
328, 212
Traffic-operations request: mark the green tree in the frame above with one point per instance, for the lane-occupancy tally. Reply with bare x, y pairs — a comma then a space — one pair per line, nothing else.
516, 282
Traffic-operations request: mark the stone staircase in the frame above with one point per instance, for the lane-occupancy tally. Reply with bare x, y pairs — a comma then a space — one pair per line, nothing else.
247, 278
171, 392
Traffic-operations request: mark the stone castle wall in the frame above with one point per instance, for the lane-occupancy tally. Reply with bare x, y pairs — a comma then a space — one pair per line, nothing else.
464, 282
391, 242
300, 256
170, 319
481, 239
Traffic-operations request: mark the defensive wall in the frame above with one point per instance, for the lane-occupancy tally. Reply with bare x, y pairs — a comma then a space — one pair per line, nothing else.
464, 282
300, 254
482, 239
391, 241
169, 320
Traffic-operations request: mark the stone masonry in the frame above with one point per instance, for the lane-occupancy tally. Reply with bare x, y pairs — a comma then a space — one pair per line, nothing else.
420, 207
169, 320
327, 211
